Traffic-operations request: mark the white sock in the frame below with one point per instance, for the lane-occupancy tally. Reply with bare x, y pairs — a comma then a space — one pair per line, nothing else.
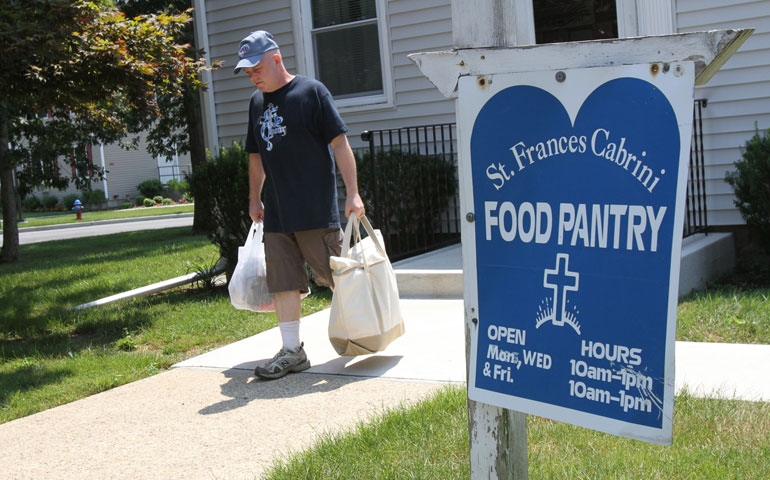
290, 335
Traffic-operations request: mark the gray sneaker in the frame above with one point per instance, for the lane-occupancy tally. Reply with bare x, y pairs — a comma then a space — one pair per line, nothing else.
285, 361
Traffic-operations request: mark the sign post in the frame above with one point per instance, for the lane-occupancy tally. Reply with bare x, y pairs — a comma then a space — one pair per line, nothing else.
573, 168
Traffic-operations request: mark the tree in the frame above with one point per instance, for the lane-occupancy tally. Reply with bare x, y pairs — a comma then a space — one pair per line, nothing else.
181, 125
76, 73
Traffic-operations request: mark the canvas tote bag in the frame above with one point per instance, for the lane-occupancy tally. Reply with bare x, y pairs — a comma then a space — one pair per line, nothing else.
365, 314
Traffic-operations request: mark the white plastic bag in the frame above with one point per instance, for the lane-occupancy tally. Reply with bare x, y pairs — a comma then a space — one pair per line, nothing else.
248, 285
365, 313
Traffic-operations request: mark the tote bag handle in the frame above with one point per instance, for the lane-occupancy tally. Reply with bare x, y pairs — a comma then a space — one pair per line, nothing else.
353, 226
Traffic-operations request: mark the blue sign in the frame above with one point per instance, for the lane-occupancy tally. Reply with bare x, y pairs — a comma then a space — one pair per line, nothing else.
577, 243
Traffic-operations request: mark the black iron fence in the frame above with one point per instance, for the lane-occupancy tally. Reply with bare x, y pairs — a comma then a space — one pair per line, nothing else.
695, 220
408, 180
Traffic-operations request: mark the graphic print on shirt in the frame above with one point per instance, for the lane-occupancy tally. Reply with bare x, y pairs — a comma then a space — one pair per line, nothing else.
271, 125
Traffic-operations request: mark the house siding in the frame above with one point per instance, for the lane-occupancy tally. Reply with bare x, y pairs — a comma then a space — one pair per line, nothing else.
738, 95
124, 170
412, 27
228, 22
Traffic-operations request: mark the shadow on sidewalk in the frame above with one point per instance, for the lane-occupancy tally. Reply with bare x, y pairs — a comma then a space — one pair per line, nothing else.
242, 387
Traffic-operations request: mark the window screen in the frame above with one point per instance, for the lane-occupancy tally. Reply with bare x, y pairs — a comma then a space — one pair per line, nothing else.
347, 47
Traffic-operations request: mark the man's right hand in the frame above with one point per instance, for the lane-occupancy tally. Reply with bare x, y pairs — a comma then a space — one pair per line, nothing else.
256, 211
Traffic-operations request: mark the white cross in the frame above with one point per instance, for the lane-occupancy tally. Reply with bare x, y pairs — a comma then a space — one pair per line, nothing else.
566, 281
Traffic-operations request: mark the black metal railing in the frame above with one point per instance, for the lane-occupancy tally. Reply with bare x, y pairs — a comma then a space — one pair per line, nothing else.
696, 220
172, 172
408, 179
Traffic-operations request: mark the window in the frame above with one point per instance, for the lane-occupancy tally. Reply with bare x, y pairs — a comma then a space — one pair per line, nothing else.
346, 49
81, 168
574, 20
168, 169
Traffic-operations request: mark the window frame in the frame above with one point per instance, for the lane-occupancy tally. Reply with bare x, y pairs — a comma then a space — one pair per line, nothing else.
635, 17
303, 23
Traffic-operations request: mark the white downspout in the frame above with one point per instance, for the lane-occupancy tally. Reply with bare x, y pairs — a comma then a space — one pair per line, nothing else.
208, 104
106, 191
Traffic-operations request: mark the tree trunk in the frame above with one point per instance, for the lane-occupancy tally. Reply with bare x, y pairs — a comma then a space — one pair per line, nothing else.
192, 109
10, 251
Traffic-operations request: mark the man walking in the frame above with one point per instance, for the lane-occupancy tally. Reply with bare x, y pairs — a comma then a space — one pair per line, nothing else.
292, 123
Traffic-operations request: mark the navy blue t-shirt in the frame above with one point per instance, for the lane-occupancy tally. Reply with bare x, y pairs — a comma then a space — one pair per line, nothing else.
291, 129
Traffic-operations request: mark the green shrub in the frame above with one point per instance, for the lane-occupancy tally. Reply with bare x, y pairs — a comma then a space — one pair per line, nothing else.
94, 197
413, 191
49, 202
176, 186
149, 202
150, 188
167, 201
221, 187
139, 200
751, 182
126, 205
177, 189
158, 199
69, 200
187, 197
31, 202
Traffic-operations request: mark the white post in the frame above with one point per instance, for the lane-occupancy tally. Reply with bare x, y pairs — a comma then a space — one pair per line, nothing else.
208, 103
498, 437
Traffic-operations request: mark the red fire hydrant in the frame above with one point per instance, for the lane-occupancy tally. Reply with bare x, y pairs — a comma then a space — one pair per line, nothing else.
78, 207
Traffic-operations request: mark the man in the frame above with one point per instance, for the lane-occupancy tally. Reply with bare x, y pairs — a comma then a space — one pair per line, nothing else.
292, 123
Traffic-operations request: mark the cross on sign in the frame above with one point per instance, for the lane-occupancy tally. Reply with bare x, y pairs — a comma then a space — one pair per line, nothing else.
561, 280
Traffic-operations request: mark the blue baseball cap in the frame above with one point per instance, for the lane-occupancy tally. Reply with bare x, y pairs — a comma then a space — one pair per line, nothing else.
253, 48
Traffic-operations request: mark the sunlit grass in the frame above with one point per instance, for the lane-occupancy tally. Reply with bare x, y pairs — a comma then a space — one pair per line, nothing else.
50, 355
725, 315
713, 439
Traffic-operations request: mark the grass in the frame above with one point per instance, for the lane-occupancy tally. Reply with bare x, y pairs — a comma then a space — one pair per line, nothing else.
735, 309
713, 439
50, 355
725, 315
41, 219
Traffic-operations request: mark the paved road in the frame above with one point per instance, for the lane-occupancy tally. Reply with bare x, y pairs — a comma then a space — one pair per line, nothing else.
95, 229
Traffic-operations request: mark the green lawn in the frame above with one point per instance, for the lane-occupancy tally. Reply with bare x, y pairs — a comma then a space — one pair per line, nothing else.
50, 355
735, 309
713, 439
725, 315
40, 219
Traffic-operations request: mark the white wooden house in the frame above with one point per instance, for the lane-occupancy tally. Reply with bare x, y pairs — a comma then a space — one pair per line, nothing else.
378, 34
124, 170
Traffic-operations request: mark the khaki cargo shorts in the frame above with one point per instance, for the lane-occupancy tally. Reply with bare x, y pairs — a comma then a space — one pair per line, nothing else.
287, 253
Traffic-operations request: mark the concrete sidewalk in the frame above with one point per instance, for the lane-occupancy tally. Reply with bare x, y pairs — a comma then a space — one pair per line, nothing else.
208, 417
